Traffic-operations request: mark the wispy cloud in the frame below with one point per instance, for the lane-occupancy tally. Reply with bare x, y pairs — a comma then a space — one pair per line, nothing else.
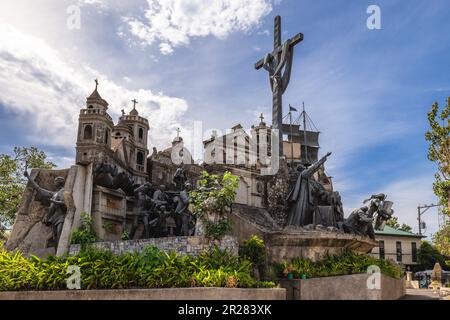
175, 22
48, 91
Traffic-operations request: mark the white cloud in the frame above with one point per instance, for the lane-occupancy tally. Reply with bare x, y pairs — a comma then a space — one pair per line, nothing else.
47, 91
165, 48
174, 22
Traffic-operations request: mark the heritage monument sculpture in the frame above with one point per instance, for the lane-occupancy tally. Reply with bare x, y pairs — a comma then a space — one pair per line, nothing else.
126, 191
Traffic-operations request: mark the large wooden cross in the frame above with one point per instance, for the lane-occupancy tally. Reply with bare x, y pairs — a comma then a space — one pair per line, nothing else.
279, 63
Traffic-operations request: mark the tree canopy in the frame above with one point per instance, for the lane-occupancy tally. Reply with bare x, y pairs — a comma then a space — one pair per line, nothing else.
12, 181
441, 240
393, 223
439, 150
429, 255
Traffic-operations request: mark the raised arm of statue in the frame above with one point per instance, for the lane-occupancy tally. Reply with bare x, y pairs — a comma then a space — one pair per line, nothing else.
141, 187
44, 192
312, 169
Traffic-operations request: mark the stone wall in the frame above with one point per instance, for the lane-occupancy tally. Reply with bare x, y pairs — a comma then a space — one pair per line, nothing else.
347, 287
151, 294
191, 246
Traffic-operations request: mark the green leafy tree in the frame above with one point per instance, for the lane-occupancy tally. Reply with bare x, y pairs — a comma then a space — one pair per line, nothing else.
428, 255
441, 240
439, 150
393, 223
213, 198
12, 181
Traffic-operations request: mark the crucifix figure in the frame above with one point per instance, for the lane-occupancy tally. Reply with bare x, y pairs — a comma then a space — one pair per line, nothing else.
279, 63
134, 103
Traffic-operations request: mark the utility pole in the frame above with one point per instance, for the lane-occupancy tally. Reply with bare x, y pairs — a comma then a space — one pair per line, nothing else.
420, 213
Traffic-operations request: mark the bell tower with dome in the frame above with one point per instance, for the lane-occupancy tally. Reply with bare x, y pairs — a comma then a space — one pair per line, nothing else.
95, 127
134, 129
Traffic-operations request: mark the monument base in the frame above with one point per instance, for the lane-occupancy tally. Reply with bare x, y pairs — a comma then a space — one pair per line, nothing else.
284, 244
314, 245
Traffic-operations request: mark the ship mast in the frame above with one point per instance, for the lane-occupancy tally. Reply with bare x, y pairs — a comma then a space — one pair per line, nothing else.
304, 132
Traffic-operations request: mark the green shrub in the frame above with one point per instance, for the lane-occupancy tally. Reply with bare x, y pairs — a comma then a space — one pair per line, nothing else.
219, 229
335, 265
125, 235
85, 234
254, 250
150, 269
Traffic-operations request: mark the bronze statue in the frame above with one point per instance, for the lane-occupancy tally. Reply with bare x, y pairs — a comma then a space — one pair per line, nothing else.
57, 210
361, 221
140, 210
179, 177
107, 175
300, 197
183, 217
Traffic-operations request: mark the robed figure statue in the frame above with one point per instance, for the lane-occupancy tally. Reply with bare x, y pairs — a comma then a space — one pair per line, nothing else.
300, 198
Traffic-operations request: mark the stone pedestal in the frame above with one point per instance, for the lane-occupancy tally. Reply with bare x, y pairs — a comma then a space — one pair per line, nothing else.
109, 209
314, 245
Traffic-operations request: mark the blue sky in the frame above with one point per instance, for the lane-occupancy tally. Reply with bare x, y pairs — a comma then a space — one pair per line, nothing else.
368, 91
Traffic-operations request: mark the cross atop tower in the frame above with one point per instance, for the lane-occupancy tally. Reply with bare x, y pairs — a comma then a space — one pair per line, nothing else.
134, 103
96, 84
261, 117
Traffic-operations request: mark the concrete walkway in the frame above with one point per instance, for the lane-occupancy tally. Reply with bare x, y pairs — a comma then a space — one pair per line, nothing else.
420, 294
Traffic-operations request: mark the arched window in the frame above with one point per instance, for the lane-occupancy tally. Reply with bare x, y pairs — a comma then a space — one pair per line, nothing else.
141, 133
140, 158
87, 134
106, 136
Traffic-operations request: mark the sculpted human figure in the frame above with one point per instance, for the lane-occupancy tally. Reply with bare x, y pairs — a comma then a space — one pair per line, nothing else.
182, 214
179, 178
57, 210
300, 197
361, 221
141, 209
383, 209
160, 205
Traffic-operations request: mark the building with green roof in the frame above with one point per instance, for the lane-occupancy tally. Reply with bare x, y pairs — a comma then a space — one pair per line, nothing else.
398, 246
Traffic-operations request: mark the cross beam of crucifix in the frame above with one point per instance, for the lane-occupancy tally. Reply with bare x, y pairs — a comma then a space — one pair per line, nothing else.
134, 103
